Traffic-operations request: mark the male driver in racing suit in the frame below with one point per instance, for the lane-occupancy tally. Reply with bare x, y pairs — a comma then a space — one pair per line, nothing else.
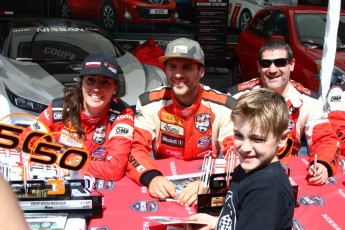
275, 63
185, 121
335, 107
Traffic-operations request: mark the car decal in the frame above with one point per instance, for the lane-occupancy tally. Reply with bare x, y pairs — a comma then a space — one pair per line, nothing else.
234, 15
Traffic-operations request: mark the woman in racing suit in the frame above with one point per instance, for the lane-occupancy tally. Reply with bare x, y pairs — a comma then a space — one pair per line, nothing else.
91, 112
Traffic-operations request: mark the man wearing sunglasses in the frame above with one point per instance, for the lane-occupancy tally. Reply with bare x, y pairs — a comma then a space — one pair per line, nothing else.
275, 63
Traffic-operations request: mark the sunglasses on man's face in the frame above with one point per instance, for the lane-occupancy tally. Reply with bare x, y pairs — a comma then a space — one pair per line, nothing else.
279, 62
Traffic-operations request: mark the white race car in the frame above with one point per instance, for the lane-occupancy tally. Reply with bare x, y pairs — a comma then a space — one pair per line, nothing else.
240, 12
42, 56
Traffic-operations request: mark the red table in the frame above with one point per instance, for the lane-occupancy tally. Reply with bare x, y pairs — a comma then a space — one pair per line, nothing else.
126, 204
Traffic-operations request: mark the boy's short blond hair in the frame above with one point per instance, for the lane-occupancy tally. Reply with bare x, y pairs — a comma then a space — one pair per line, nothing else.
266, 110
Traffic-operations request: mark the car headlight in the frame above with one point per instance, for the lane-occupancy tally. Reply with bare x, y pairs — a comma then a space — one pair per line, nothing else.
338, 74
25, 104
128, 16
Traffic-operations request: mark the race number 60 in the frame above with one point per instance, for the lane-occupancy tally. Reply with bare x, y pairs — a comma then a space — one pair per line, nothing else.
44, 150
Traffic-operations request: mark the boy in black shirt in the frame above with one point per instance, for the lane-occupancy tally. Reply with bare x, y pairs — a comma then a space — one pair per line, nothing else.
260, 195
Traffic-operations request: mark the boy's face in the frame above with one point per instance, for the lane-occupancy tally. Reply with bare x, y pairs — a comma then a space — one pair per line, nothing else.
254, 149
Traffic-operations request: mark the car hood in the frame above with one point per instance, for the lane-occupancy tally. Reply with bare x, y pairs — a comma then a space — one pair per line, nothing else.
41, 82
339, 57
29, 80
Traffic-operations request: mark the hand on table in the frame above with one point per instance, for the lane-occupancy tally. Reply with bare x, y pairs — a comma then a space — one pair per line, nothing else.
209, 222
161, 187
320, 176
189, 195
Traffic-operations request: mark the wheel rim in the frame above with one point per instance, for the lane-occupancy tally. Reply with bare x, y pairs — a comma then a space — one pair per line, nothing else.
244, 20
108, 17
64, 10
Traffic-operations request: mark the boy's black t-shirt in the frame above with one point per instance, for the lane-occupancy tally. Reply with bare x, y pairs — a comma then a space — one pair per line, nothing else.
262, 199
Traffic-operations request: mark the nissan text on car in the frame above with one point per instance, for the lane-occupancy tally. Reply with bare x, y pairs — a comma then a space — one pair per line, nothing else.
303, 27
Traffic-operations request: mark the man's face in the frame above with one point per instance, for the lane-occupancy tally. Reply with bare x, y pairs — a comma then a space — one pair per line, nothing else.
273, 77
184, 76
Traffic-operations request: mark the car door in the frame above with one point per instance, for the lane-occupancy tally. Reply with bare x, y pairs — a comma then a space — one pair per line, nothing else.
279, 26
250, 42
85, 8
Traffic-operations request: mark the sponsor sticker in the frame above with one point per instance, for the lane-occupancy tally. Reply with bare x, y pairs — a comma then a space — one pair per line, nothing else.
336, 98
291, 125
98, 152
105, 184
174, 153
204, 142
172, 141
170, 118
297, 225
202, 122
174, 129
311, 200
145, 206
99, 134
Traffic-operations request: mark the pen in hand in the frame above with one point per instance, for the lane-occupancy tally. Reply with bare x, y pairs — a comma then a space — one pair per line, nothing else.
315, 161
168, 199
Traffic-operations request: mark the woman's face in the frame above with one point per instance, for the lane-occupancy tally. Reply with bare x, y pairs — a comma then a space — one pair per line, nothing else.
97, 93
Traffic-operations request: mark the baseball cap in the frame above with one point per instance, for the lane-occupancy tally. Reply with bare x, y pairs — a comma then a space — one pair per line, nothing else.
184, 48
100, 64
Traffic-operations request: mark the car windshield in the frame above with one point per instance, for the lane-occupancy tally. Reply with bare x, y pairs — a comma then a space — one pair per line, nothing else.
311, 30
58, 44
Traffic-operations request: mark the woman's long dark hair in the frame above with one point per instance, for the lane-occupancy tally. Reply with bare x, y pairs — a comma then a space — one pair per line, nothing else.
72, 105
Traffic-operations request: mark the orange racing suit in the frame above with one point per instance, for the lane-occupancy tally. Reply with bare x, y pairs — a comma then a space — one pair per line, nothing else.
171, 130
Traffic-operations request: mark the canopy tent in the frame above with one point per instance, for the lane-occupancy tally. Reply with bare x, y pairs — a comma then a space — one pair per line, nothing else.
330, 46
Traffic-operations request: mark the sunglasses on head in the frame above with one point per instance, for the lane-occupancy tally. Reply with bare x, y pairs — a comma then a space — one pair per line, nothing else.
279, 62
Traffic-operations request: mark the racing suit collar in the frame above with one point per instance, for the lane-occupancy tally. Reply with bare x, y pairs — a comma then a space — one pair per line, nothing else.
186, 112
88, 120
294, 96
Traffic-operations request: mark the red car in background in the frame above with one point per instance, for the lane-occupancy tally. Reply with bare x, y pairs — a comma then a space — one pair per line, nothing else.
303, 27
113, 13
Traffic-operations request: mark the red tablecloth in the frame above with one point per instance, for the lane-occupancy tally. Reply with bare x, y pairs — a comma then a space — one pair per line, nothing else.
321, 207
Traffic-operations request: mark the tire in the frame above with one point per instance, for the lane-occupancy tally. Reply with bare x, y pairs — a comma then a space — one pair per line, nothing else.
236, 72
108, 17
65, 11
244, 19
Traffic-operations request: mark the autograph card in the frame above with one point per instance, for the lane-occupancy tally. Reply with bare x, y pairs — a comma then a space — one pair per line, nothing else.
181, 181
171, 220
